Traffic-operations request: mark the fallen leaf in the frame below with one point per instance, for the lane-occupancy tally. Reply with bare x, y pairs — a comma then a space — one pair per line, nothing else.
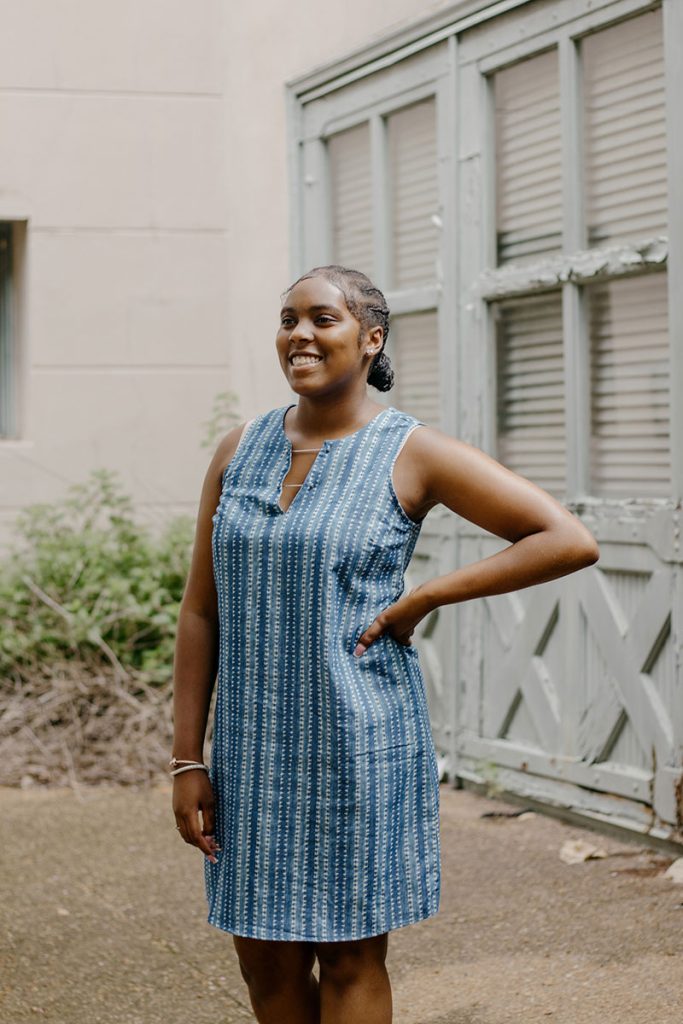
576, 851
675, 871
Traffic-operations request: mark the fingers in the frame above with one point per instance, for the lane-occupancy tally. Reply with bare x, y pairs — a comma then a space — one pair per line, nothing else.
188, 826
208, 818
372, 633
378, 628
187, 823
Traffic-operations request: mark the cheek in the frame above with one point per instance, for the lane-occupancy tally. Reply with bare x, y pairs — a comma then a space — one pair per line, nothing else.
281, 344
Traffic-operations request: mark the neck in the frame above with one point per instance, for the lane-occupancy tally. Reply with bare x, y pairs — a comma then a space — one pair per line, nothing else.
329, 417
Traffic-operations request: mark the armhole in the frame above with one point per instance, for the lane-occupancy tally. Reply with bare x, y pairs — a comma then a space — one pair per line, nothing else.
245, 428
417, 523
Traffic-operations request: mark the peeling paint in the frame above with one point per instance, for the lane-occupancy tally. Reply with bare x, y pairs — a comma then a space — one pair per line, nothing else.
581, 267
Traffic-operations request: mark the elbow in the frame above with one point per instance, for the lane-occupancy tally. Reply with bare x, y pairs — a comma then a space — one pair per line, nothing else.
590, 554
576, 547
583, 551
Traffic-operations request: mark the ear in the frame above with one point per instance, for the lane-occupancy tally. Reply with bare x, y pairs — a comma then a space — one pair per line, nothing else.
375, 336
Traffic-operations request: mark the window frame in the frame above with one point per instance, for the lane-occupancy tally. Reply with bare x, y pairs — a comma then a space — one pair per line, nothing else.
427, 74
576, 266
478, 38
12, 238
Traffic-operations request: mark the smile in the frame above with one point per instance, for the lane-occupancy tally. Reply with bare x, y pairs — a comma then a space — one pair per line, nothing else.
305, 360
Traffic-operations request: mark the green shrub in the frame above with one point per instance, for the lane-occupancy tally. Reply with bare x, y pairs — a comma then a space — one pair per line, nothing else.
88, 583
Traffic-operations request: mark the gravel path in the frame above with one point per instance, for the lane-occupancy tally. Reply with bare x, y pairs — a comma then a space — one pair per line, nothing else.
103, 921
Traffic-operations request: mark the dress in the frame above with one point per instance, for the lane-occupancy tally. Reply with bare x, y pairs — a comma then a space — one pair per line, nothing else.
322, 763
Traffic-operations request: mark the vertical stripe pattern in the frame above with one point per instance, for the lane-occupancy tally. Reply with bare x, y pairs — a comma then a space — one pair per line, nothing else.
323, 764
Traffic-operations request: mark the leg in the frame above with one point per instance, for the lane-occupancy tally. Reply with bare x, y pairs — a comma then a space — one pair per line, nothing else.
279, 976
354, 984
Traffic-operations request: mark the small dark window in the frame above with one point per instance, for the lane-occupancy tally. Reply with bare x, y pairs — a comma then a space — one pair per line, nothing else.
7, 333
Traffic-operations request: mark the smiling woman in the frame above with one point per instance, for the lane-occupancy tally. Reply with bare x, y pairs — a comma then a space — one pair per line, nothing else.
320, 812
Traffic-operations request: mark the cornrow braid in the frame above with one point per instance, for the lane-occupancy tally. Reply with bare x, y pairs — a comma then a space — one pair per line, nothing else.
367, 303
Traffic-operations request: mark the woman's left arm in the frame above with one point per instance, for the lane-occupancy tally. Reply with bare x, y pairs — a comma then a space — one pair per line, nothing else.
546, 539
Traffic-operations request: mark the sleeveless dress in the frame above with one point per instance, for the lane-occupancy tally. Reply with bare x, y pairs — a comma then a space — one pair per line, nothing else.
322, 763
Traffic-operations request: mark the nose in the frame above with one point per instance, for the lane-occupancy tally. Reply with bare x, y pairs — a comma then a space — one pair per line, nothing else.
303, 330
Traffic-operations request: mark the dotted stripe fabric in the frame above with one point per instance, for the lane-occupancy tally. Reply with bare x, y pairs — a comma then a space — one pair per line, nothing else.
323, 764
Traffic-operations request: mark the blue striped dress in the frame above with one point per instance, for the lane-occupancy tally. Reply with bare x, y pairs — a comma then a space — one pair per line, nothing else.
322, 763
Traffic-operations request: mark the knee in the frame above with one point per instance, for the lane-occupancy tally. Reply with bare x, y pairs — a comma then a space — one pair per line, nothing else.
268, 969
344, 963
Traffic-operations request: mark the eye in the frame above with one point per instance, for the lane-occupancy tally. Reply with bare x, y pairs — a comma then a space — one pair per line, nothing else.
285, 321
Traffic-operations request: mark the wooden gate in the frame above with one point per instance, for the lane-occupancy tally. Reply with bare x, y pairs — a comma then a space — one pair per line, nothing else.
568, 692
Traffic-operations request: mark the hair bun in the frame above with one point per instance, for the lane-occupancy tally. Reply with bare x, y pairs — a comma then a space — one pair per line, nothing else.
381, 374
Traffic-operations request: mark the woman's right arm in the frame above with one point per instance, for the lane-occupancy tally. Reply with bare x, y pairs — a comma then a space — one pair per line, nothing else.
195, 662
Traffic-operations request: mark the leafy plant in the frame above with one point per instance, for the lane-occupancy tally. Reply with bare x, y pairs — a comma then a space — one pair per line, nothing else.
224, 416
88, 582
490, 774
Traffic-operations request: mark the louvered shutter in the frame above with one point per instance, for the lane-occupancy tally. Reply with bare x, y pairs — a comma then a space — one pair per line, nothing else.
414, 193
528, 159
351, 198
630, 449
413, 348
625, 131
530, 385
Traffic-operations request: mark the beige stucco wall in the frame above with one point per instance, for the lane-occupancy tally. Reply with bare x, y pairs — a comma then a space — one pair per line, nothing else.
144, 141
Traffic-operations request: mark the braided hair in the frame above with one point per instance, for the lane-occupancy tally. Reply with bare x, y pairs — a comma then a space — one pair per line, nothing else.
369, 307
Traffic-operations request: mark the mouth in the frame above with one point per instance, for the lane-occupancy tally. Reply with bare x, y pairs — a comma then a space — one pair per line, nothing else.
302, 362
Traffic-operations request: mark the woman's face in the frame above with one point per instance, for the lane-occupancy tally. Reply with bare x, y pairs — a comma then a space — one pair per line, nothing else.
316, 322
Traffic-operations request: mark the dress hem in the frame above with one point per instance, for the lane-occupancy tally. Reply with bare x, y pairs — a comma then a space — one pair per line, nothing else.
303, 938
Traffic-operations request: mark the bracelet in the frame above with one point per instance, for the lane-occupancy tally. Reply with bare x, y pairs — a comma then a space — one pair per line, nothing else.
189, 767
174, 762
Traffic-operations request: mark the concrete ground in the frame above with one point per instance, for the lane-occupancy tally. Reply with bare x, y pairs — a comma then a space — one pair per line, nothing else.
103, 921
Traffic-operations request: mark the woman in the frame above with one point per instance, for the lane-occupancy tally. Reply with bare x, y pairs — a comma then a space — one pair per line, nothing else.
319, 812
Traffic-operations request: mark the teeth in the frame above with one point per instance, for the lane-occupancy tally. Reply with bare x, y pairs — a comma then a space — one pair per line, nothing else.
304, 360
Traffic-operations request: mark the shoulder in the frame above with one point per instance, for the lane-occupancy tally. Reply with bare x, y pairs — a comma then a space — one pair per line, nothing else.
439, 463
228, 444
431, 445
423, 443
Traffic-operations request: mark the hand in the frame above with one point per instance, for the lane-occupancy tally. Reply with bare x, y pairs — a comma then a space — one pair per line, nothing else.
398, 620
192, 792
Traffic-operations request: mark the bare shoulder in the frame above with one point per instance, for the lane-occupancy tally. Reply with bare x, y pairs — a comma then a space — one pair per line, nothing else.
418, 461
430, 442
448, 471
439, 454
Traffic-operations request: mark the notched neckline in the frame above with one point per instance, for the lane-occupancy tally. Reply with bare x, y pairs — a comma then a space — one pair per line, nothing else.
324, 447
